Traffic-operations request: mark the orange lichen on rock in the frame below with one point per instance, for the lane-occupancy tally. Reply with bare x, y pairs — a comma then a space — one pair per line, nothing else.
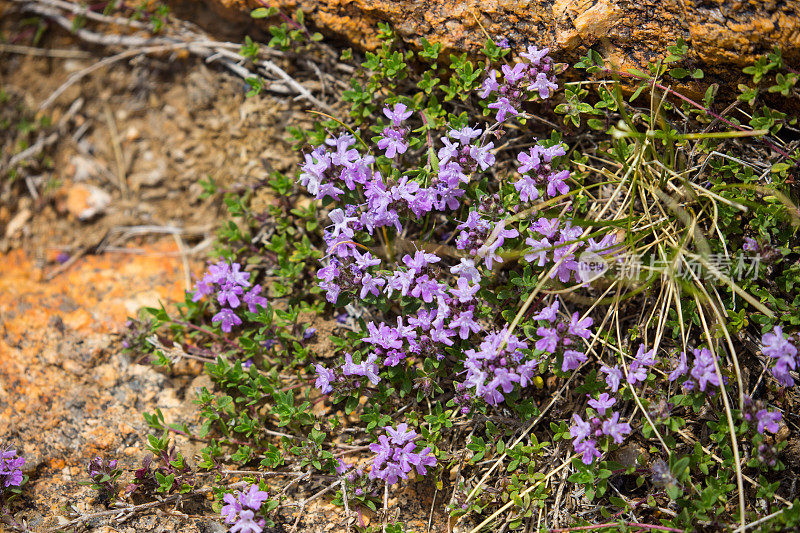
67, 392
724, 34
96, 294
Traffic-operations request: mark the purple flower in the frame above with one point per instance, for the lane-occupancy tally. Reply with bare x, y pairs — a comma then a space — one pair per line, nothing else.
679, 370
400, 281
548, 313
515, 73
588, 449
232, 508
452, 174
645, 358
448, 152
240, 510
227, 318
539, 251
529, 161
503, 107
572, 360
489, 85
504, 380
750, 245
236, 277
543, 85
370, 285
465, 134
324, 379
342, 466
483, 155
398, 114
768, 420
426, 289
549, 339
550, 152
613, 376
555, 183
218, 272
526, 187
246, 523
579, 327
420, 260
10, 469
777, 346
366, 368
546, 226
253, 498
704, 370
466, 268
252, 299
383, 336
424, 459
393, 142
603, 402
394, 456
203, 287
464, 324
230, 292
401, 435
636, 372
616, 430
365, 260
534, 55
465, 292
394, 357
488, 251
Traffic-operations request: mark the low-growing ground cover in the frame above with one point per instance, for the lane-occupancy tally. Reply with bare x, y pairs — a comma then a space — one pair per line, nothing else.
546, 305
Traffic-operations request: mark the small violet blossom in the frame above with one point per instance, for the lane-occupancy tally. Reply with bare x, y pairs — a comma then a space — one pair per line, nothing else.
240, 510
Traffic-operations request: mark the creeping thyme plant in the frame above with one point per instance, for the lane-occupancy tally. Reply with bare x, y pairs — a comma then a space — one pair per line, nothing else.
543, 304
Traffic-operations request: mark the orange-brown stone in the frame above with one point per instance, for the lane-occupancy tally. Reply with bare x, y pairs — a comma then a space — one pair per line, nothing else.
722, 32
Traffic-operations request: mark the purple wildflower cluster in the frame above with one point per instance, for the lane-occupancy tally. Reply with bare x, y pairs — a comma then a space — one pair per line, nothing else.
702, 373
520, 82
448, 312
394, 455
10, 469
637, 371
766, 420
497, 365
605, 424
348, 376
240, 510
229, 282
393, 138
750, 245
784, 351
99, 466
560, 337
357, 481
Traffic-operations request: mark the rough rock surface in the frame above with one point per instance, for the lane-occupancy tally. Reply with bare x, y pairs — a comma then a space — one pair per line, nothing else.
68, 393
722, 32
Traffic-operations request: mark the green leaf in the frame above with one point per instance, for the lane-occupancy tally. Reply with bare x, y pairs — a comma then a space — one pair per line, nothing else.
264, 12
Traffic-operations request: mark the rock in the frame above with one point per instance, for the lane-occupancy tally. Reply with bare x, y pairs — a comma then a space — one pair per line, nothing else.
722, 33
17, 223
86, 201
67, 394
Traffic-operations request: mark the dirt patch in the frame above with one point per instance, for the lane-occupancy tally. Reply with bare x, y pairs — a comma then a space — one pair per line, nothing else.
145, 133
132, 143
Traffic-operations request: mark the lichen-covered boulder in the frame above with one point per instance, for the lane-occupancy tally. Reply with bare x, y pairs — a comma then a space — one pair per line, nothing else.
722, 33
